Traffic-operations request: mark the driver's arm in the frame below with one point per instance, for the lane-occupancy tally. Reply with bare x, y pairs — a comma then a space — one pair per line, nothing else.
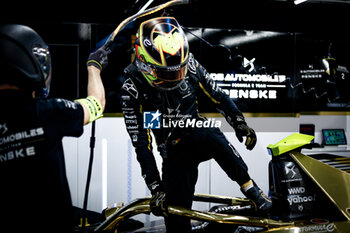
140, 137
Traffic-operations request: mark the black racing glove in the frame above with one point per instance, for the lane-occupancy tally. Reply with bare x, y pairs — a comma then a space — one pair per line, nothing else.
158, 203
99, 58
243, 130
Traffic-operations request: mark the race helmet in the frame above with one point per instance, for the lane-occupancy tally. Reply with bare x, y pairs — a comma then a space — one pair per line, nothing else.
162, 52
25, 59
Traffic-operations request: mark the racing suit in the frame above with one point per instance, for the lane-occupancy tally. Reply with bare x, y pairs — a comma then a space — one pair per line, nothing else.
182, 149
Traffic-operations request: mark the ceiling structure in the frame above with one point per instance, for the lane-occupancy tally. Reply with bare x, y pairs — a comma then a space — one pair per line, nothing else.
280, 15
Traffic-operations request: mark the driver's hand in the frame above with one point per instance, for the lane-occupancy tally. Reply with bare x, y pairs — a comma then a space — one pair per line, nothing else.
158, 204
243, 130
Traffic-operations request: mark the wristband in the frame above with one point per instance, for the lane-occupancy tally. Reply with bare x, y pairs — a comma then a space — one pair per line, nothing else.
93, 106
94, 63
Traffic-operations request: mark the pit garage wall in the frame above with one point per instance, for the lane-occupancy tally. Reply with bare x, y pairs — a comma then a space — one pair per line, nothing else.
116, 174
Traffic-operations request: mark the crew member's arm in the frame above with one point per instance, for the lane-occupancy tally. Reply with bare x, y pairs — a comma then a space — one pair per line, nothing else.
94, 104
224, 105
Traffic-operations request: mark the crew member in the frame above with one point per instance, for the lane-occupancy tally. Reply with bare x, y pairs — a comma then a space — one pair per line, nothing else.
35, 195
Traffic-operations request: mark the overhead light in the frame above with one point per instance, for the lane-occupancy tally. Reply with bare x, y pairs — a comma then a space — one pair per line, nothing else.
249, 37
296, 2
104, 173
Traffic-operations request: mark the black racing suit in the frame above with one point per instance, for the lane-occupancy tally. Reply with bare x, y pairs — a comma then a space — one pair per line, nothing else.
182, 148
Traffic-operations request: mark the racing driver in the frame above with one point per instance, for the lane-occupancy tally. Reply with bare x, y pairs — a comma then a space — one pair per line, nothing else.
166, 79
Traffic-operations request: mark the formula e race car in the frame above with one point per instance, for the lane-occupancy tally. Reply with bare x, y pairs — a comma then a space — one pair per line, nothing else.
309, 194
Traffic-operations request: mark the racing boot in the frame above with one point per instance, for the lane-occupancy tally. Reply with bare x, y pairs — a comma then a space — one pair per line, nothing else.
261, 201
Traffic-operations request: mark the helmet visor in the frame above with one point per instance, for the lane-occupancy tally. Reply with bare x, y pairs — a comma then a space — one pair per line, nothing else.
169, 73
43, 57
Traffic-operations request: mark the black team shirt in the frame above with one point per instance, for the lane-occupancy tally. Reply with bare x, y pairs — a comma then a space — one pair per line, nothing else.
34, 191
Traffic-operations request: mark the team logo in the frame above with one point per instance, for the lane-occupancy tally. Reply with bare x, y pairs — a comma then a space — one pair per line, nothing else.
130, 87
289, 169
151, 120
3, 128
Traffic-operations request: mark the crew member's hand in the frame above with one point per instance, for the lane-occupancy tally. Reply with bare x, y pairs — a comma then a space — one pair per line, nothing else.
243, 130
99, 58
158, 204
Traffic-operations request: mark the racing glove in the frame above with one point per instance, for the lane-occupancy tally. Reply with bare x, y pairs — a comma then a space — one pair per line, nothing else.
158, 203
99, 58
243, 130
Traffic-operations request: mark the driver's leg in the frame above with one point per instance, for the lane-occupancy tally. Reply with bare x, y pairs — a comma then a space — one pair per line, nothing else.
214, 142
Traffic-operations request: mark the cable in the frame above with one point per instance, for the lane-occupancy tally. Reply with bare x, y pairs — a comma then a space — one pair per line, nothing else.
88, 179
